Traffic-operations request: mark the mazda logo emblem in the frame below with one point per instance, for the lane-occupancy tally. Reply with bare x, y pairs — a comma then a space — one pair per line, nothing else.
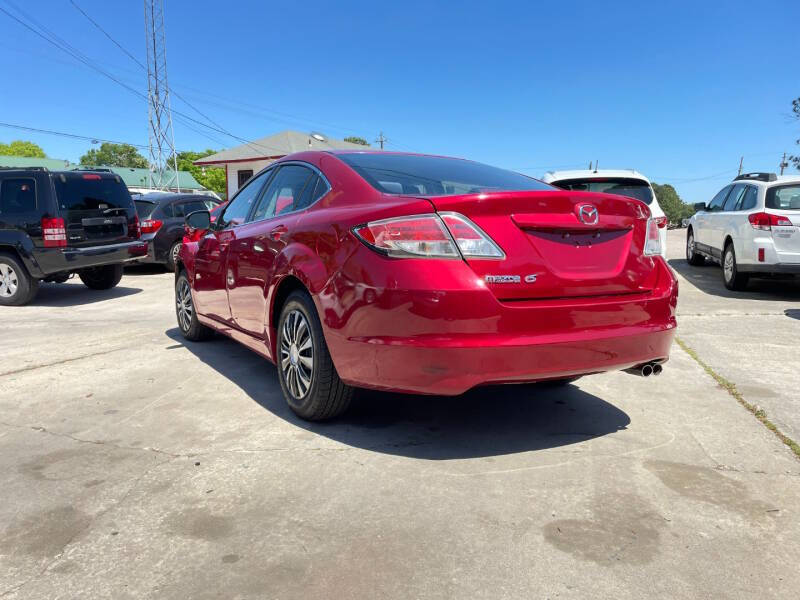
588, 214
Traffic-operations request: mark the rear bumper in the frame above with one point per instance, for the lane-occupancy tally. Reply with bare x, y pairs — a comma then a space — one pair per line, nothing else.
446, 342
54, 260
767, 269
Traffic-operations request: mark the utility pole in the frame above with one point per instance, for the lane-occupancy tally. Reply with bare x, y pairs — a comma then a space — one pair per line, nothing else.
381, 140
159, 112
783, 164
741, 161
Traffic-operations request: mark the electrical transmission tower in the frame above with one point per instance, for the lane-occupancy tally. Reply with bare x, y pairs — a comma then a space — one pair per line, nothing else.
163, 161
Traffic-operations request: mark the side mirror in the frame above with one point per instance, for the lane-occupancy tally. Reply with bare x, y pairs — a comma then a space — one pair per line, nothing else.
198, 220
700, 206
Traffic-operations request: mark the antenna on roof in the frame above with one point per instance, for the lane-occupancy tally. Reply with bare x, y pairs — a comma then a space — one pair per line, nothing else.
595, 165
590, 165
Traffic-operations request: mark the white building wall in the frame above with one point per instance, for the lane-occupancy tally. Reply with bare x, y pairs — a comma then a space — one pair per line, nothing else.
232, 169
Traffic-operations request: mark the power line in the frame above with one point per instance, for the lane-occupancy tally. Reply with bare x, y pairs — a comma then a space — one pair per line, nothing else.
67, 135
115, 42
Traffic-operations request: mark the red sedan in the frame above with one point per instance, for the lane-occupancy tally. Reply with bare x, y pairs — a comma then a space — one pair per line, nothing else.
424, 274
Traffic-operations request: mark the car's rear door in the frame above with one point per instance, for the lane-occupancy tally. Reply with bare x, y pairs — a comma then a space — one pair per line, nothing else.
211, 271
259, 242
23, 201
784, 201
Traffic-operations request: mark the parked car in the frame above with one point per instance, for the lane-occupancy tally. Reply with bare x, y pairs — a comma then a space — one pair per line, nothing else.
424, 274
622, 182
215, 210
751, 227
57, 223
161, 217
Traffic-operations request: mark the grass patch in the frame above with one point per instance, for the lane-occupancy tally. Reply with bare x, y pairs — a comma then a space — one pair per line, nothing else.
731, 389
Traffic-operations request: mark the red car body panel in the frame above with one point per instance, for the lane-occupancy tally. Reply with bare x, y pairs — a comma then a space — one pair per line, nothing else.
434, 326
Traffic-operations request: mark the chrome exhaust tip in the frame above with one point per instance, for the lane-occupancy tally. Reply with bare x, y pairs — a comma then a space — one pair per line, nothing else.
657, 368
647, 370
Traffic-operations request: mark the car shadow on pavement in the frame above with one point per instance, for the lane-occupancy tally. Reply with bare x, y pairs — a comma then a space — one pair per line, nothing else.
792, 313
65, 294
146, 269
708, 279
487, 421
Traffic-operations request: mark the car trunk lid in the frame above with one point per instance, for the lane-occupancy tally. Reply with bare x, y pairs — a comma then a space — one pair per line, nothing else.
559, 244
96, 207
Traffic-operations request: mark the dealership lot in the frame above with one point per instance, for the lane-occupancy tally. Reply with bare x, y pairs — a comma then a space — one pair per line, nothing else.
135, 465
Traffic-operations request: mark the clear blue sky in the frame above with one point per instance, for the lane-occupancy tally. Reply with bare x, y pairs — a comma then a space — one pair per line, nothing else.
677, 91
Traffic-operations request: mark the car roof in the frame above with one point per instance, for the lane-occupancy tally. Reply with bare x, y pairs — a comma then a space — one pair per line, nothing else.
552, 176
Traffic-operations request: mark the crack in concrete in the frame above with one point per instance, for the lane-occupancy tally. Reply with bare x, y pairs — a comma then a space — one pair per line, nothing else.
63, 361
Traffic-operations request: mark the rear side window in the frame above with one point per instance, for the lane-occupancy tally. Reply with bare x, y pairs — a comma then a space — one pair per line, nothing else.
17, 196
284, 192
784, 197
91, 192
144, 209
619, 186
749, 199
181, 209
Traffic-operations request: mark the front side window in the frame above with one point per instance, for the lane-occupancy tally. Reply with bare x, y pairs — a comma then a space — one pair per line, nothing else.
734, 197
784, 197
718, 200
236, 212
17, 196
434, 175
284, 192
619, 186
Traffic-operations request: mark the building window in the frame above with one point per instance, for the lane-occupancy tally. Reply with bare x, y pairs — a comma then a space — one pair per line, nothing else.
244, 175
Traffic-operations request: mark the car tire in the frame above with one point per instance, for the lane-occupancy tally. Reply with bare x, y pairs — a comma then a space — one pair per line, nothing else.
190, 328
734, 280
101, 278
692, 257
308, 378
17, 287
172, 255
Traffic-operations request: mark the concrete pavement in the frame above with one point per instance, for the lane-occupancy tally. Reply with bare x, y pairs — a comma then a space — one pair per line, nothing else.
134, 465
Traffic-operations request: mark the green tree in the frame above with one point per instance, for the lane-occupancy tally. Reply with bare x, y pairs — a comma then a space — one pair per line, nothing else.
211, 178
114, 155
671, 203
354, 139
22, 148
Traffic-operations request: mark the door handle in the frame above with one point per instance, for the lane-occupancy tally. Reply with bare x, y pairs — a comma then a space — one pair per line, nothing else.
278, 232
257, 247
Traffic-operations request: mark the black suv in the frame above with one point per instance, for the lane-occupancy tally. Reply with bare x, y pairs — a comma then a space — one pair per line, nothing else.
56, 223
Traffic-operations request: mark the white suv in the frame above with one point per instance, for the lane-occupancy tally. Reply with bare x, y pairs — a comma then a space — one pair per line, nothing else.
622, 182
751, 227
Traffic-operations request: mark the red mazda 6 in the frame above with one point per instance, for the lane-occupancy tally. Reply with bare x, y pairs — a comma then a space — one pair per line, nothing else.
424, 274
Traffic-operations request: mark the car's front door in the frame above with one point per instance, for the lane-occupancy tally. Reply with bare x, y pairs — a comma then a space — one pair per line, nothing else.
259, 242
704, 235
211, 272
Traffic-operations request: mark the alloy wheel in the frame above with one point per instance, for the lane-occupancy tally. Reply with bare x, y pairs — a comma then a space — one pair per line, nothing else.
728, 265
9, 281
297, 354
176, 249
690, 246
183, 302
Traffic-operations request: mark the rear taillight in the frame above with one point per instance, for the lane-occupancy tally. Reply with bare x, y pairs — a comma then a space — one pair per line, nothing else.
652, 245
471, 241
150, 225
661, 222
765, 221
54, 232
418, 236
134, 228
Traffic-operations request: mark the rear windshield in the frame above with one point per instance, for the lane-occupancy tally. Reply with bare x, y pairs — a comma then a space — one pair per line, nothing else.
435, 176
144, 209
91, 192
784, 197
620, 186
